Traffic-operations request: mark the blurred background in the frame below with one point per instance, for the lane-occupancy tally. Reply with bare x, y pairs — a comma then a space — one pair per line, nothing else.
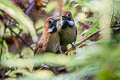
96, 56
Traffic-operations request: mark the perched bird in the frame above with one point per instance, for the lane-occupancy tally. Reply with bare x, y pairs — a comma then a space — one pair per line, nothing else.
67, 30
49, 41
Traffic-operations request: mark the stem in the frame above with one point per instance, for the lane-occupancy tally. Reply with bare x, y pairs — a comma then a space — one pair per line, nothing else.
2, 44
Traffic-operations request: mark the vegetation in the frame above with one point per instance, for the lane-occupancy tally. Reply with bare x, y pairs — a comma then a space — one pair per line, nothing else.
97, 53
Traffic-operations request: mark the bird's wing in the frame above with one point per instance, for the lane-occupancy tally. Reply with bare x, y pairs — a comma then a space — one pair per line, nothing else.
42, 44
75, 28
38, 46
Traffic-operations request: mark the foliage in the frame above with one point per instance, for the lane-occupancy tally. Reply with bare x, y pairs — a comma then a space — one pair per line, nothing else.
17, 13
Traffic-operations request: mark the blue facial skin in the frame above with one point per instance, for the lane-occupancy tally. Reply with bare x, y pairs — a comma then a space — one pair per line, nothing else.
51, 29
69, 22
62, 22
51, 21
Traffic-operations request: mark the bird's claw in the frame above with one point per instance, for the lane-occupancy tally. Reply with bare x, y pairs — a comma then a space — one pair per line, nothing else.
73, 46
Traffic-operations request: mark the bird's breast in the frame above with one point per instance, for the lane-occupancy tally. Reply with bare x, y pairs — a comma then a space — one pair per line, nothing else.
54, 43
67, 35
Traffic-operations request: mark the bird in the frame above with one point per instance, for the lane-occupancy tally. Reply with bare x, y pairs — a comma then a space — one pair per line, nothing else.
49, 41
67, 30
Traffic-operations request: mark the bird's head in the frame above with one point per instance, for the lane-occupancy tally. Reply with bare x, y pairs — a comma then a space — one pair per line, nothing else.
51, 23
66, 15
67, 18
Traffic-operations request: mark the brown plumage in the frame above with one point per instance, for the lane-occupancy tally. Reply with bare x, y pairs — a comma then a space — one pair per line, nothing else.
67, 30
49, 41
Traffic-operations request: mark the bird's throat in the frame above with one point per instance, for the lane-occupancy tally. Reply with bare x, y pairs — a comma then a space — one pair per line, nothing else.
67, 23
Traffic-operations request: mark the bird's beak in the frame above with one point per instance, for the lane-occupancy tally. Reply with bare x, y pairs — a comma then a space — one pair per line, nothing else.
57, 19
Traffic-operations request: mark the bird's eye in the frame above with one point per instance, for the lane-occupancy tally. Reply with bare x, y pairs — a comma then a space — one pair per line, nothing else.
50, 21
68, 15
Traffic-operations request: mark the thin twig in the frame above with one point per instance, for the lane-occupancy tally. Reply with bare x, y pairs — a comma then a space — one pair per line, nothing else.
30, 7
39, 28
21, 39
83, 40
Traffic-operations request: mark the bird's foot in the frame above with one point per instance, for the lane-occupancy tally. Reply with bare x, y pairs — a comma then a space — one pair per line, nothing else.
61, 52
73, 46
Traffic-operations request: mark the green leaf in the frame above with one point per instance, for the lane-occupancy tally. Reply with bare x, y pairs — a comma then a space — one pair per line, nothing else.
27, 52
18, 14
52, 59
3, 45
93, 27
51, 6
2, 27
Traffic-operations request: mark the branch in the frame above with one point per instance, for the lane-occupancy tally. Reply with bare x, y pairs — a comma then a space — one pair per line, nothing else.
58, 10
21, 39
39, 28
30, 7
83, 40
